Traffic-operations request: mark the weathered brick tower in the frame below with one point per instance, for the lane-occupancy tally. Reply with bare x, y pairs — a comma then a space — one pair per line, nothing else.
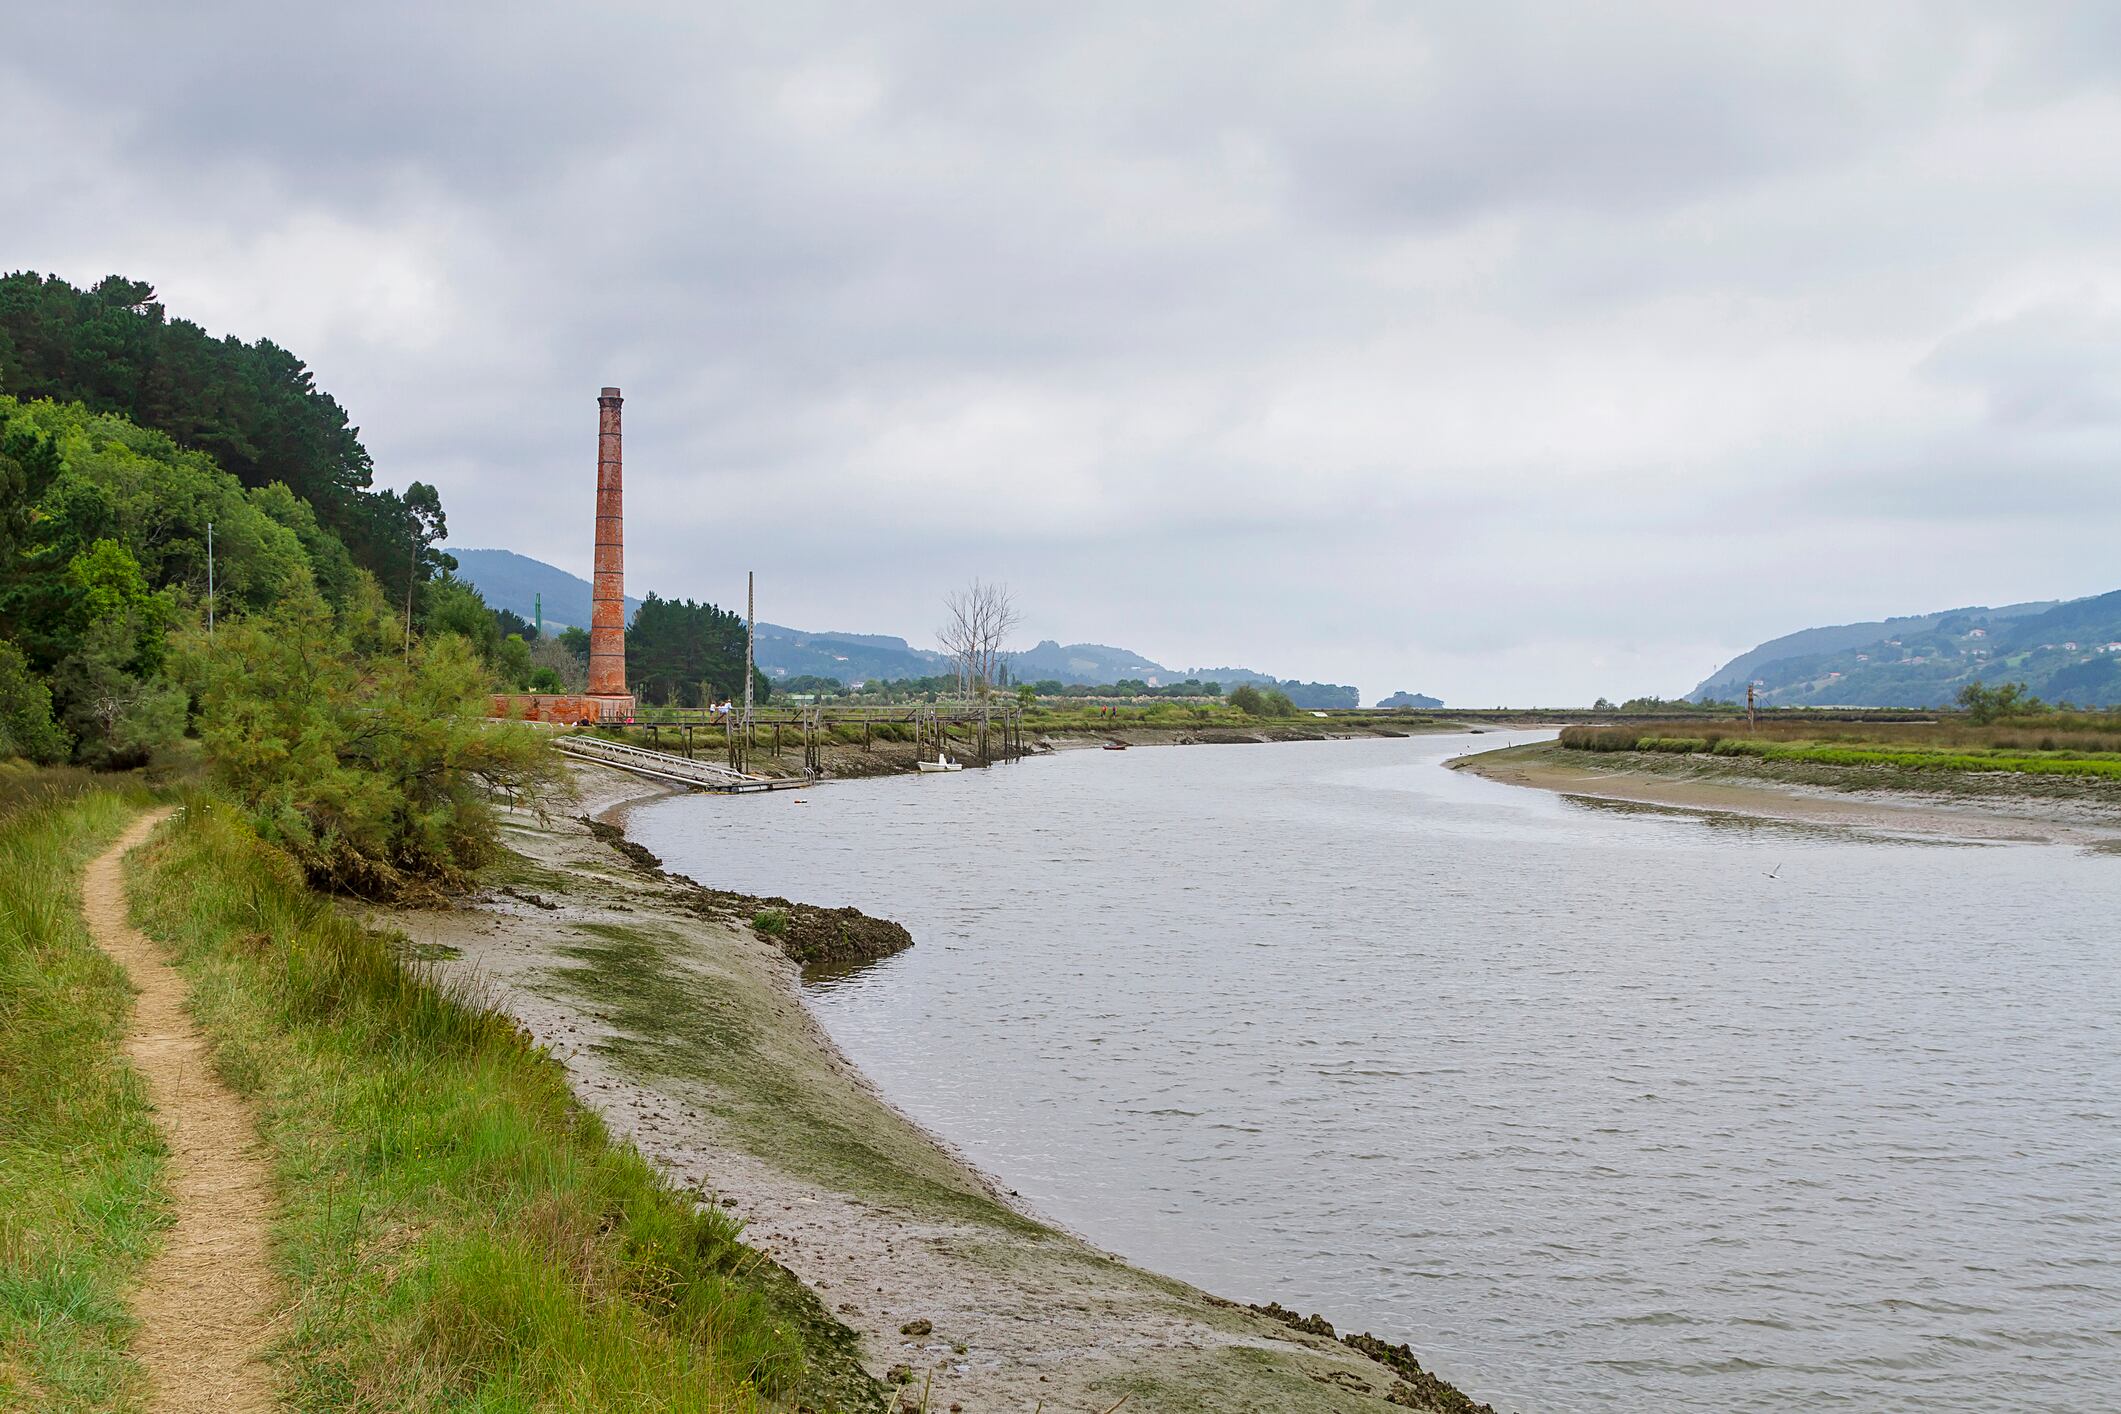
607, 699
607, 606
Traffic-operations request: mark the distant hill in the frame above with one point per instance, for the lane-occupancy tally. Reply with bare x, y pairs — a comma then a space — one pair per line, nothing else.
1085, 662
514, 582
2060, 650
1418, 701
511, 581
849, 657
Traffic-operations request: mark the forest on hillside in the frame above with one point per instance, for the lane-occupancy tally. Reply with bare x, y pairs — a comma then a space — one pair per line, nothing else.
294, 632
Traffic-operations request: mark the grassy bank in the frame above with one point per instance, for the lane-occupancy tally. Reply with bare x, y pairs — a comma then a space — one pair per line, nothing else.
2077, 746
456, 1231
79, 1155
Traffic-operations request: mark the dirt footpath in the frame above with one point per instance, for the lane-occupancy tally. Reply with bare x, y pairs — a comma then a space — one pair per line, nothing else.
207, 1302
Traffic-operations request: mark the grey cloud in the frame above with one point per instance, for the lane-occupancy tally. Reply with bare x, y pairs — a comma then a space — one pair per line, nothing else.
1486, 350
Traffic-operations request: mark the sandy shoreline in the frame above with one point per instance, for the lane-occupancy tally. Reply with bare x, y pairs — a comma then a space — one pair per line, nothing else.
1716, 788
689, 1038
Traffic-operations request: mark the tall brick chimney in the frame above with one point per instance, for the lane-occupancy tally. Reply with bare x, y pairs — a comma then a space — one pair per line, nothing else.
607, 608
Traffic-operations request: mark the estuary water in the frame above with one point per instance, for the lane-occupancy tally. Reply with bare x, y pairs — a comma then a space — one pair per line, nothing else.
1600, 1107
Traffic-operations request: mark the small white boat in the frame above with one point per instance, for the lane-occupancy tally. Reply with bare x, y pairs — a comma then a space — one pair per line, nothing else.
942, 762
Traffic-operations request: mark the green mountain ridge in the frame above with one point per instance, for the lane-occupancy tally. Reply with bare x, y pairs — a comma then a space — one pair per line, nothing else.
2061, 650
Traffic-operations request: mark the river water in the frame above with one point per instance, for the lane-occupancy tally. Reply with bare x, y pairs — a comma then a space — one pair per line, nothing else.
1600, 1107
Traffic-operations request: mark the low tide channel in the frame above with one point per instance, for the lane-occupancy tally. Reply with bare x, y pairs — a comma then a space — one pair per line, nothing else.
1600, 1107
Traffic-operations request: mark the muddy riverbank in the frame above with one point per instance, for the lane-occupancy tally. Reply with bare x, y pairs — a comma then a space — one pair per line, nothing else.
2002, 808
678, 1020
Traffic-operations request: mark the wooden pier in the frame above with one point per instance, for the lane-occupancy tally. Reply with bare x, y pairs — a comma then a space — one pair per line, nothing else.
661, 765
990, 731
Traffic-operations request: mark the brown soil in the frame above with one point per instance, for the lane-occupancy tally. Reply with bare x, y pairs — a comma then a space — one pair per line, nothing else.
208, 1299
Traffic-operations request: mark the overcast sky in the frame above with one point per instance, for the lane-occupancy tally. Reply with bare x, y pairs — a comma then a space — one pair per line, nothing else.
1507, 353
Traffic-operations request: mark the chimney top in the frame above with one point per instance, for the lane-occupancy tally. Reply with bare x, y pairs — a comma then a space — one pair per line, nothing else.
609, 393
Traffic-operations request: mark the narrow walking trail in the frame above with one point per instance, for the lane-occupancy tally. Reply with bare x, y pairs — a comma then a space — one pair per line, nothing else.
207, 1301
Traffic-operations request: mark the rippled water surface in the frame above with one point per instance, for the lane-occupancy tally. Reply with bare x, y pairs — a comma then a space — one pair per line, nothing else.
1577, 1098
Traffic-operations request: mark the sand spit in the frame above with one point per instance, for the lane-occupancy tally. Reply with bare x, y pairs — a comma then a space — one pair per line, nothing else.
686, 1033
1997, 812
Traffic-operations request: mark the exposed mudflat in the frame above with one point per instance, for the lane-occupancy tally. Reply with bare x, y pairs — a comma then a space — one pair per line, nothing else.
681, 1026
2002, 810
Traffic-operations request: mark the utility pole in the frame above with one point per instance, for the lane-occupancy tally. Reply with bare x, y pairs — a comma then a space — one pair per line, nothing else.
209, 579
751, 638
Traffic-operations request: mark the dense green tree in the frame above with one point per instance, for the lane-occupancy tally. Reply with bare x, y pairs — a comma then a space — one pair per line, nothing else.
512, 663
421, 527
29, 463
141, 489
110, 687
330, 565
1983, 704
254, 408
119, 715
456, 606
674, 647
26, 726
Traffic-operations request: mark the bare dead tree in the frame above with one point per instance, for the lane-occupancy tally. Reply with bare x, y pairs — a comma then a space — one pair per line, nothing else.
958, 637
980, 618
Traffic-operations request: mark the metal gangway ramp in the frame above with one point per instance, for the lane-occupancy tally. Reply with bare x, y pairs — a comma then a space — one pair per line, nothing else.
664, 766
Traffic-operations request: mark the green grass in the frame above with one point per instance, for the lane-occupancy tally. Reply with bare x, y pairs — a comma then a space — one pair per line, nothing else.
1998, 752
80, 1160
456, 1231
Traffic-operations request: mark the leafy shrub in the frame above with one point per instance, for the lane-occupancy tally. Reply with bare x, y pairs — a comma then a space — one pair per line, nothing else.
376, 773
1262, 702
772, 922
